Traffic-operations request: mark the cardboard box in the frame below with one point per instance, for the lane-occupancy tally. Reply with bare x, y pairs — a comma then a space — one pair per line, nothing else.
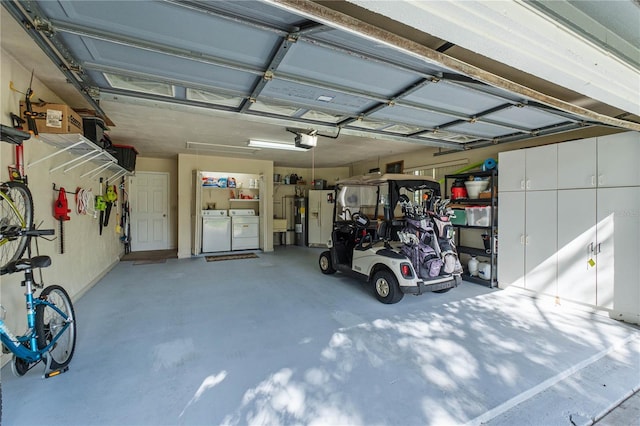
54, 118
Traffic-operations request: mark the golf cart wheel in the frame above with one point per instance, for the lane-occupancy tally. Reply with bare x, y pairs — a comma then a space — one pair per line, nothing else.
386, 287
326, 266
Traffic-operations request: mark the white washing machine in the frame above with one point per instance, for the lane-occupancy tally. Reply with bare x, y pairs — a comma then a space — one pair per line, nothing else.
216, 231
245, 229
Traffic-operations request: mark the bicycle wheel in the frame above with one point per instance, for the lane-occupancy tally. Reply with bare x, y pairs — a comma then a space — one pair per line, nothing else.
16, 211
49, 323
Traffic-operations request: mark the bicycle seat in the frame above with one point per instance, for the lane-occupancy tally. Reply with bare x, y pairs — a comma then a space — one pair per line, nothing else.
22, 264
11, 135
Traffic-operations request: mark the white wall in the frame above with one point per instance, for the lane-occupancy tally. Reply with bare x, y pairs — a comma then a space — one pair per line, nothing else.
88, 255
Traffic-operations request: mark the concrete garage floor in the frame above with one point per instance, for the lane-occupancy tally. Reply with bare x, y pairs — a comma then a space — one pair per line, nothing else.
273, 341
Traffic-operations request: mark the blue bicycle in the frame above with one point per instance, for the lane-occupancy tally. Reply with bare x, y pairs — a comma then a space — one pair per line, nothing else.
51, 327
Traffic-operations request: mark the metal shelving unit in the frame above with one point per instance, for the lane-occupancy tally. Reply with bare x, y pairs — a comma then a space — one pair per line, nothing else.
492, 229
83, 151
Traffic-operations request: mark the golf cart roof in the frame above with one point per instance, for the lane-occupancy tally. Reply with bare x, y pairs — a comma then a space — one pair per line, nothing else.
402, 180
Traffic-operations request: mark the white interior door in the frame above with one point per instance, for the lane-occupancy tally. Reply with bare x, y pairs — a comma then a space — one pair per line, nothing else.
149, 211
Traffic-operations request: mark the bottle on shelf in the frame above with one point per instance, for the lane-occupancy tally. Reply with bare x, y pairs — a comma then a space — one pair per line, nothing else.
473, 266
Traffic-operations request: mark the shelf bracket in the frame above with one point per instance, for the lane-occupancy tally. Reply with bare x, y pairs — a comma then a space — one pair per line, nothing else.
92, 156
55, 153
97, 170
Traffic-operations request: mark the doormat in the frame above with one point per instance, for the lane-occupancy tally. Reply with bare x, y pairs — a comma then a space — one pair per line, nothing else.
231, 257
149, 261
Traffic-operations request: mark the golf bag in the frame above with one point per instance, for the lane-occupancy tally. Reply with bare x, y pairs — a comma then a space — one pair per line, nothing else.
428, 242
417, 238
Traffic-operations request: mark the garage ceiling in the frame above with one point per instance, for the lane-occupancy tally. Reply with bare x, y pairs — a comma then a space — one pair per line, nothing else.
185, 76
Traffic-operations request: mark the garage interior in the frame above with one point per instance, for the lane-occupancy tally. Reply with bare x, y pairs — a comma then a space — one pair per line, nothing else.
432, 87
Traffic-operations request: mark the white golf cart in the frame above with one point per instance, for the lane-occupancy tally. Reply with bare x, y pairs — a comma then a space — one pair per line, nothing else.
393, 230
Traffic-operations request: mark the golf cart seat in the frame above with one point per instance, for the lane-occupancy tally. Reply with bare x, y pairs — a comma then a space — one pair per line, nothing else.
388, 229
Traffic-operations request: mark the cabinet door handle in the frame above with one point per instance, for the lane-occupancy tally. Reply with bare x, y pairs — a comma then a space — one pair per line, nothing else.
598, 252
528, 183
593, 180
522, 184
526, 240
522, 239
590, 248
600, 179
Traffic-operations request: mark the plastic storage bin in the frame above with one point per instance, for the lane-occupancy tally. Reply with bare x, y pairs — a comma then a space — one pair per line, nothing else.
460, 217
126, 156
94, 128
478, 216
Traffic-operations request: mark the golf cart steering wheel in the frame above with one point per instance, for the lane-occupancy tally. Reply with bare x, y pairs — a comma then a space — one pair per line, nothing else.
360, 220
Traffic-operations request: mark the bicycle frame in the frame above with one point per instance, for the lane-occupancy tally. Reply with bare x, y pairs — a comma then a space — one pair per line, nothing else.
16, 344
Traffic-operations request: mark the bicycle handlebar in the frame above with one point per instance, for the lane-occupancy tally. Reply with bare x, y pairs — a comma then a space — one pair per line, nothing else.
11, 135
16, 231
39, 232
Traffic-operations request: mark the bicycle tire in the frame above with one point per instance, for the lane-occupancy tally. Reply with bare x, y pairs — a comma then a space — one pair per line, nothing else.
16, 210
48, 322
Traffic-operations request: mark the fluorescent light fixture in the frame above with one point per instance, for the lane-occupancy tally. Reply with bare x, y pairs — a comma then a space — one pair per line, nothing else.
275, 145
214, 146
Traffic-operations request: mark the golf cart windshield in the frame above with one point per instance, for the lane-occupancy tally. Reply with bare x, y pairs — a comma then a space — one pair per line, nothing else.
377, 196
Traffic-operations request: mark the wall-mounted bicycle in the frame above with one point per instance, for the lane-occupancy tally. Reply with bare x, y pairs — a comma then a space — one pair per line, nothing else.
51, 327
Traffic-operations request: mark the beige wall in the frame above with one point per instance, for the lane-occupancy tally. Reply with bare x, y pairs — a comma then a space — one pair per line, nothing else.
426, 157
181, 192
330, 174
88, 255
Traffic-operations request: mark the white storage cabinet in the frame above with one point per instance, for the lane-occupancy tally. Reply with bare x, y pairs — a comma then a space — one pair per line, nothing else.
527, 228
593, 214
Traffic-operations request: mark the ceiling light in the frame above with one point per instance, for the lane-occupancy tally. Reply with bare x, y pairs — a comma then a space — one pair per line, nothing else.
325, 98
275, 145
214, 146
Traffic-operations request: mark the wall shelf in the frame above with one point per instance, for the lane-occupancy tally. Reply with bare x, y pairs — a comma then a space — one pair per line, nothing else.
492, 229
83, 151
